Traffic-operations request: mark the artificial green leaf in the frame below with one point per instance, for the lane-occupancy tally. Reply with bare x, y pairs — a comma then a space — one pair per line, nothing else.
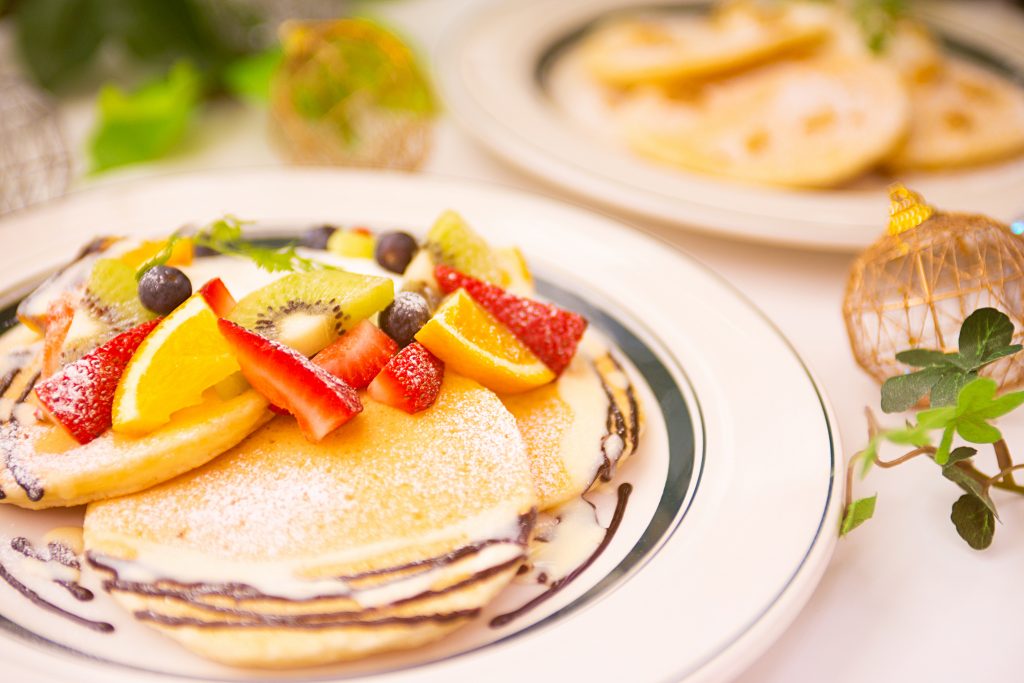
976, 394
976, 430
983, 332
902, 392
996, 354
57, 39
146, 124
911, 435
857, 512
867, 456
946, 390
973, 521
942, 452
961, 453
249, 77
970, 485
1002, 405
936, 418
922, 358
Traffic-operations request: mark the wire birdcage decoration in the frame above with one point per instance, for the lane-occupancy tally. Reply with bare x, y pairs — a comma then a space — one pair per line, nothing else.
34, 161
915, 286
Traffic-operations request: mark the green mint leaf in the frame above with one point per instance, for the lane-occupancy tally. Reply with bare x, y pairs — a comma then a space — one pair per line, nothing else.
146, 124
902, 392
58, 39
970, 485
249, 78
857, 512
984, 332
961, 453
225, 236
158, 259
947, 388
973, 521
924, 358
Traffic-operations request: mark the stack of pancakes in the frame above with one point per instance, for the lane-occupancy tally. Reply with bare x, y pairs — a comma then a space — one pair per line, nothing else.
278, 552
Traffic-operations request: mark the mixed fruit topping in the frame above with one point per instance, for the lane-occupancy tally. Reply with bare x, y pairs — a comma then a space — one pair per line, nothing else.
129, 342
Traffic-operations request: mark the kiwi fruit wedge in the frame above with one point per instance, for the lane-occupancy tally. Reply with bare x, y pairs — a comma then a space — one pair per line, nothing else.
309, 310
453, 243
109, 305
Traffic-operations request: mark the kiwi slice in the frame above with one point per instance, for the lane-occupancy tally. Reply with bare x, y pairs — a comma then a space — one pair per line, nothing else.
307, 311
109, 305
452, 242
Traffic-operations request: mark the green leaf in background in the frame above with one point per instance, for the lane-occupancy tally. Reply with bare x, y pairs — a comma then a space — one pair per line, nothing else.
973, 521
58, 38
986, 333
249, 77
902, 392
857, 512
970, 485
147, 123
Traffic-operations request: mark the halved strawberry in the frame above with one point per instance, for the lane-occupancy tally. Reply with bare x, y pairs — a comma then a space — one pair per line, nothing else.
319, 401
410, 381
81, 396
358, 355
552, 333
217, 295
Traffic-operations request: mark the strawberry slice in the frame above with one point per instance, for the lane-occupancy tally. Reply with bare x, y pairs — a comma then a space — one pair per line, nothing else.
410, 381
217, 295
552, 333
358, 355
59, 316
81, 396
319, 401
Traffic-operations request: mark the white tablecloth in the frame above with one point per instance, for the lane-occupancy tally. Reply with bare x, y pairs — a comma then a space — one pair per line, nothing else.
904, 599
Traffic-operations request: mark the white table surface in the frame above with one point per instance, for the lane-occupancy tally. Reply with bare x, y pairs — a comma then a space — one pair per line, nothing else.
904, 599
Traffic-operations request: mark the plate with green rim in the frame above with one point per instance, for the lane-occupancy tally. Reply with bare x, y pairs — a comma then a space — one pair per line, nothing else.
734, 511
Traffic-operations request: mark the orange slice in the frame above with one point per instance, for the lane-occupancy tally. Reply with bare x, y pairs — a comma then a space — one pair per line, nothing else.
183, 357
181, 253
473, 343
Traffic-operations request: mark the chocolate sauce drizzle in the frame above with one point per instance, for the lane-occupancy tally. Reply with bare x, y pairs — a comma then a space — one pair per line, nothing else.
624, 491
63, 555
194, 594
9, 443
615, 424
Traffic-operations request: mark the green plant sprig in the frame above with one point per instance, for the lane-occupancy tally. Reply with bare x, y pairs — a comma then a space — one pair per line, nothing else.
962, 405
226, 236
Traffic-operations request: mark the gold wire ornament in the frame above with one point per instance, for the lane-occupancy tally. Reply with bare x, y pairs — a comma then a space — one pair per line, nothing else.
350, 93
914, 287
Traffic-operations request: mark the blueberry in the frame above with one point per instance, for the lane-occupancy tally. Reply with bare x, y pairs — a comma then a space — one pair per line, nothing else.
316, 238
162, 289
404, 317
395, 250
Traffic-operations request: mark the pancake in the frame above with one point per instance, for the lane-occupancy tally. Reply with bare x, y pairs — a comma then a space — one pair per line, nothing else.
800, 123
579, 429
663, 49
41, 466
961, 115
388, 534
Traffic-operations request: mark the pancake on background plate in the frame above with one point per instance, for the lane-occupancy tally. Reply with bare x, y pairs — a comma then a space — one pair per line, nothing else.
387, 534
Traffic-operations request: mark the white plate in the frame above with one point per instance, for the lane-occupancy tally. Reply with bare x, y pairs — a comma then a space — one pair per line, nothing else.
494, 72
735, 508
